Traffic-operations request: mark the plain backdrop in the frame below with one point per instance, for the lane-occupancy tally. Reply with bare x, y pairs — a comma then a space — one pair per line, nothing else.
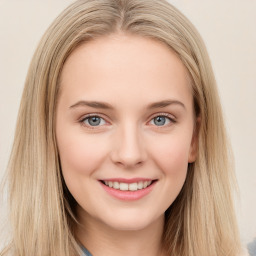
229, 31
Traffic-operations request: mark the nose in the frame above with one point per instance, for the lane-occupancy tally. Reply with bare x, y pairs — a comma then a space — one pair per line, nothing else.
129, 149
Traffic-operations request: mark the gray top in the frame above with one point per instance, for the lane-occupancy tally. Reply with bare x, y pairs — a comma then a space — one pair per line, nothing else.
252, 248
85, 252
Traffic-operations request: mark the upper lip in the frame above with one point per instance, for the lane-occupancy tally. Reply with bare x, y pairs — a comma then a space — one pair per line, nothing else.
124, 180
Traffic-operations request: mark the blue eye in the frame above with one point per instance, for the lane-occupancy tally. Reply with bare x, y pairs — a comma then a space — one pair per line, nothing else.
160, 120
94, 121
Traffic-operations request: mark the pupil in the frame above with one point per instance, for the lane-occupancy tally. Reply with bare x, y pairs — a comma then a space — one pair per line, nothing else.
159, 120
94, 120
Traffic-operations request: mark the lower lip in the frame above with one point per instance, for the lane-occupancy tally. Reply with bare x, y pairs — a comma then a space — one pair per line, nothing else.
128, 195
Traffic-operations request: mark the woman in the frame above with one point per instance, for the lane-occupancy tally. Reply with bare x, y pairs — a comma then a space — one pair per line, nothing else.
120, 146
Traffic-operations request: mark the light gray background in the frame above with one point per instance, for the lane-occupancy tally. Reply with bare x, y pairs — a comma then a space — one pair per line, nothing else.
229, 30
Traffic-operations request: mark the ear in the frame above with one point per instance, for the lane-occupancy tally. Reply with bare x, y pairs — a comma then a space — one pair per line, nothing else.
194, 142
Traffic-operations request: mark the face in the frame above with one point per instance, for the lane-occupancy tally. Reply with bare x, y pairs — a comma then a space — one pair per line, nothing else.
124, 129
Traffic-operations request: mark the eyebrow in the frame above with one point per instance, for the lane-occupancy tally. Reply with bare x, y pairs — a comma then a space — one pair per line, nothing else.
165, 103
104, 105
93, 104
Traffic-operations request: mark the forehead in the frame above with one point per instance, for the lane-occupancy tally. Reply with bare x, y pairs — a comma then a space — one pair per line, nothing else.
126, 65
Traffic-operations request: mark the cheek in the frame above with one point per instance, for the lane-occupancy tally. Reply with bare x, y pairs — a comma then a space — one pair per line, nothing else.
79, 154
171, 155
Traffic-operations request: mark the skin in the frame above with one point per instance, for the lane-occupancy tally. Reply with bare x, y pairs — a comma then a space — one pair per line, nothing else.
128, 73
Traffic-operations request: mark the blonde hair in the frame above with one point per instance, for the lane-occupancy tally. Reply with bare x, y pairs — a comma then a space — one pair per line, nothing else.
201, 221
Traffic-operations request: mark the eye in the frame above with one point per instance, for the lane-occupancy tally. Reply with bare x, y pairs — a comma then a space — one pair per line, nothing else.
161, 120
93, 121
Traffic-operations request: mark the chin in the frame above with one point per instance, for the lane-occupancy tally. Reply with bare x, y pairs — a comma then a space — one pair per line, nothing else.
131, 221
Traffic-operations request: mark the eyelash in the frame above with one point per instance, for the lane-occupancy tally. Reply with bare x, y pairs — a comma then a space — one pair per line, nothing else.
89, 116
166, 115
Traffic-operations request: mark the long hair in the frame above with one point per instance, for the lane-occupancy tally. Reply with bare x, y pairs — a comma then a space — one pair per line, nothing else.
201, 221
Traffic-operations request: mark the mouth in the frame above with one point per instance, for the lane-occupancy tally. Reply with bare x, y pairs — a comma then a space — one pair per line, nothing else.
128, 186
128, 189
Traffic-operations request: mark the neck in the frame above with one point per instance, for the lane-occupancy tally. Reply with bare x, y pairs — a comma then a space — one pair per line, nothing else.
100, 239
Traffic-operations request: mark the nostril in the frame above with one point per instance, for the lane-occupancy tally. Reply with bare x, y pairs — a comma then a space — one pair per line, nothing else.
129, 152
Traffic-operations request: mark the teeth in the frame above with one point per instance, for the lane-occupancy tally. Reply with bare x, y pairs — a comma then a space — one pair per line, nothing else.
116, 185
140, 185
125, 186
133, 186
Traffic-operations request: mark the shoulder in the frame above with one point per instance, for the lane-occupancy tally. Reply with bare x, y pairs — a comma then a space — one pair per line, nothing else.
252, 248
85, 252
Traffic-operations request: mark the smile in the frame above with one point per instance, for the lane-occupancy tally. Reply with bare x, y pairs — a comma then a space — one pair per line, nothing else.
128, 189
128, 186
